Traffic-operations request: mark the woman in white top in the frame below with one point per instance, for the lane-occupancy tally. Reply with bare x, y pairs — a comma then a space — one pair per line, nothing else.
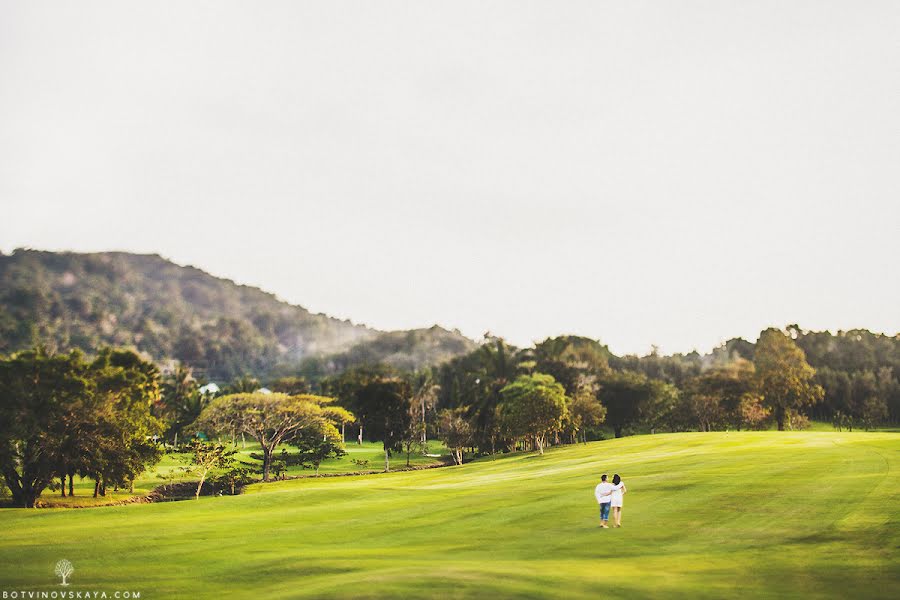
616, 503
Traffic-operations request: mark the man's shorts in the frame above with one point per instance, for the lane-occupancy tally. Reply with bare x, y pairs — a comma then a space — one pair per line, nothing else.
604, 511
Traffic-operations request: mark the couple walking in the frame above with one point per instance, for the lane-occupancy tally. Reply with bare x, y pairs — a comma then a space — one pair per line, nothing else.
609, 495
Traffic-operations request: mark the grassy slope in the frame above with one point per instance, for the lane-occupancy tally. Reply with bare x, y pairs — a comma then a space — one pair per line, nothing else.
707, 515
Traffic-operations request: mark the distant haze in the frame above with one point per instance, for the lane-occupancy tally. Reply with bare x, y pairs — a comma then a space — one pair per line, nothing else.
670, 173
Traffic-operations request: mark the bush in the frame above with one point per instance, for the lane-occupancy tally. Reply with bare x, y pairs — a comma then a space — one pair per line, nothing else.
278, 468
799, 422
234, 478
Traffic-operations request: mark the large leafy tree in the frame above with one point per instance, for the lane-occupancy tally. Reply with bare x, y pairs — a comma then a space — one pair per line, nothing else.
345, 388
868, 406
718, 397
120, 424
575, 362
475, 381
533, 406
271, 419
784, 377
41, 396
585, 411
631, 398
383, 407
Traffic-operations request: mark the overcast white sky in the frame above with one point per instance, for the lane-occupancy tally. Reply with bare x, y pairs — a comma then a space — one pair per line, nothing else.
671, 173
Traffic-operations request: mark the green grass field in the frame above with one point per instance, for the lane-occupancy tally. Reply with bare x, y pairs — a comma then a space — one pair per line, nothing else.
708, 515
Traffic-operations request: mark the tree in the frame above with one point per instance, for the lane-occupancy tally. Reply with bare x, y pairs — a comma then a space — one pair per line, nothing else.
715, 398
425, 391
585, 411
269, 418
623, 394
784, 377
346, 386
533, 405
575, 362
412, 441
319, 441
754, 415
632, 398
235, 474
475, 380
337, 415
206, 456
455, 431
40, 400
182, 401
868, 406
127, 388
658, 403
383, 406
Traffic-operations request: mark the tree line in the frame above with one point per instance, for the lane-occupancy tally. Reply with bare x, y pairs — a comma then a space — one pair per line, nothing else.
499, 398
108, 418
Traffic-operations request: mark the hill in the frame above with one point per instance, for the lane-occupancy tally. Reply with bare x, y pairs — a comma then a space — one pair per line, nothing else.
707, 515
171, 312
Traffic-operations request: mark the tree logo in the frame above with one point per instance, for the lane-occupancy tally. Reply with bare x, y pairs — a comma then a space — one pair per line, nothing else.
64, 569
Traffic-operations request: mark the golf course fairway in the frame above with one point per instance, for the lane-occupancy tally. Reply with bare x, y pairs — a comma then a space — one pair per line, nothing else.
707, 515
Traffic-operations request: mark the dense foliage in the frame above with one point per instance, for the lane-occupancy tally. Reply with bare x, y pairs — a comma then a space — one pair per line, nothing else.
61, 416
781, 380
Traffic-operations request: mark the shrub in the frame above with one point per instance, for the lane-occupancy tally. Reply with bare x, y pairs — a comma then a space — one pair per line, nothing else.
799, 422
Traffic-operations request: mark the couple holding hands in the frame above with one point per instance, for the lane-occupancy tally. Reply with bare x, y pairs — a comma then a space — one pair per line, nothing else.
609, 495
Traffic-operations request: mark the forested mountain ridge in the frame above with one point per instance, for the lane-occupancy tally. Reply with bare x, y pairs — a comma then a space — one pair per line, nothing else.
170, 312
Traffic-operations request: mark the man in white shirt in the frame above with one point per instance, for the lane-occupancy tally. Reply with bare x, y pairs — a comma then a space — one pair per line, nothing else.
603, 495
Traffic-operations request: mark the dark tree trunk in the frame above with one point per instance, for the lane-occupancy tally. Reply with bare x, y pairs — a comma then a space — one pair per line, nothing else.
71, 484
779, 418
267, 461
618, 430
96, 488
22, 495
25, 499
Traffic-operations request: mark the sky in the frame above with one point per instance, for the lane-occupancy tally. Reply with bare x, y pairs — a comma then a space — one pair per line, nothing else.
643, 173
